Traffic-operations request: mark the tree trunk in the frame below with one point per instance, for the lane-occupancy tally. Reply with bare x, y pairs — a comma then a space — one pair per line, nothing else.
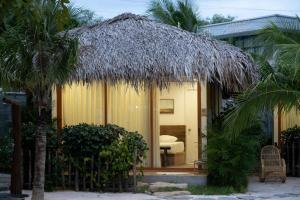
40, 158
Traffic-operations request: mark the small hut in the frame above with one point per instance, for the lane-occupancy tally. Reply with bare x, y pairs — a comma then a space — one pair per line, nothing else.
152, 78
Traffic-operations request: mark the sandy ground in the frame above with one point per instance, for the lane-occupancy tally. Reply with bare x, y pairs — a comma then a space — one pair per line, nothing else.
256, 190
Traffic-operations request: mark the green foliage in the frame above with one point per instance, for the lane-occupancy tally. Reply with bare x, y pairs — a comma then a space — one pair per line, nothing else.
33, 56
291, 134
218, 18
81, 16
115, 148
231, 161
28, 135
121, 155
212, 190
6, 150
135, 142
181, 14
280, 80
89, 139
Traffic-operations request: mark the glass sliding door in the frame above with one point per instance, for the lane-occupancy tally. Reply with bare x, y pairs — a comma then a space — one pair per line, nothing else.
130, 109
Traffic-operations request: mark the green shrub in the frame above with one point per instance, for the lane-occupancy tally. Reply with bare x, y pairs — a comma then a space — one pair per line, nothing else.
84, 139
112, 146
119, 157
6, 150
28, 132
230, 162
291, 134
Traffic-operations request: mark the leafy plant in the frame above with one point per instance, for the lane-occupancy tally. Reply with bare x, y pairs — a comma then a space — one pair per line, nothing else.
90, 139
230, 162
29, 133
113, 147
280, 81
291, 134
181, 14
6, 150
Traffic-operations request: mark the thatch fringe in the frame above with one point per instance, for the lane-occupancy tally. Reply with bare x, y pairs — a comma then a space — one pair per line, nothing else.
141, 51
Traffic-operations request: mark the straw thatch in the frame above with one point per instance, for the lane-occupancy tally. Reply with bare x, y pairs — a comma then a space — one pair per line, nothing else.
140, 51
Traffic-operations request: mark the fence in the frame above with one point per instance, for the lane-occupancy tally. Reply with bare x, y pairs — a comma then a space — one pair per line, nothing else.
291, 155
65, 172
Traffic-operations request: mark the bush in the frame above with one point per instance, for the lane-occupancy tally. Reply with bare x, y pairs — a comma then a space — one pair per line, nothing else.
84, 140
28, 135
230, 162
120, 157
291, 134
6, 150
111, 146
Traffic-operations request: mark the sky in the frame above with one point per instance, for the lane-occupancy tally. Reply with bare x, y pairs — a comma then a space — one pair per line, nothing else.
240, 9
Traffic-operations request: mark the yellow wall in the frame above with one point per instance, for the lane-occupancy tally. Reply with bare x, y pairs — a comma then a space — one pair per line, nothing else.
288, 120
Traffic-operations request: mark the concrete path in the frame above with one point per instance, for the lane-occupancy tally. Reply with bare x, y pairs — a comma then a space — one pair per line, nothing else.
256, 191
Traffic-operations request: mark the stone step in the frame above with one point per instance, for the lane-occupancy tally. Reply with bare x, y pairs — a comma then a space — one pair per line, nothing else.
4, 187
4, 178
172, 193
166, 187
190, 179
4, 182
6, 196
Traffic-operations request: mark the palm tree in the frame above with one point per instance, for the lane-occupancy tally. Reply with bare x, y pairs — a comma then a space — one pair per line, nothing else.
34, 57
280, 82
80, 16
181, 14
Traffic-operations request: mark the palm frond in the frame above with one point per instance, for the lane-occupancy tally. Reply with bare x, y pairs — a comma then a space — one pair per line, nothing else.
33, 56
280, 84
182, 13
266, 95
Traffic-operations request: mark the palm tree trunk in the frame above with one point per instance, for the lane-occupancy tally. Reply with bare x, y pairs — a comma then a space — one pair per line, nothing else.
40, 158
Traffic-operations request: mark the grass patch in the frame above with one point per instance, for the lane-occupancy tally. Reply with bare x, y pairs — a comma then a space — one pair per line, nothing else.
142, 189
211, 190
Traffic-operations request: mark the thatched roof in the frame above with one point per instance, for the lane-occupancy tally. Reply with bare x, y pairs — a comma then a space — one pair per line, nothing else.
139, 51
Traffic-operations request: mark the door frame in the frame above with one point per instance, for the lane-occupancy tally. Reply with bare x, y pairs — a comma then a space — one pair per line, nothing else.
151, 146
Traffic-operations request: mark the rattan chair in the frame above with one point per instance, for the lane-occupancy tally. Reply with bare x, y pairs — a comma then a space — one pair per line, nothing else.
272, 166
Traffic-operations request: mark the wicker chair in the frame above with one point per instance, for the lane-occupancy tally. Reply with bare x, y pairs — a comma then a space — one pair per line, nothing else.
271, 164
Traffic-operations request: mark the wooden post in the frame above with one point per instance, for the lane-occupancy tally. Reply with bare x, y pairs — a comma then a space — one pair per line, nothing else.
59, 112
279, 125
76, 176
99, 171
76, 180
92, 173
105, 103
63, 171
151, 149
134, 170
70, 175
199, 115
16, 172
84, 175
29, 169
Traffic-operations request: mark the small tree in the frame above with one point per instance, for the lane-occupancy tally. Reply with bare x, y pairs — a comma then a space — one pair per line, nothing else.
34, 57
